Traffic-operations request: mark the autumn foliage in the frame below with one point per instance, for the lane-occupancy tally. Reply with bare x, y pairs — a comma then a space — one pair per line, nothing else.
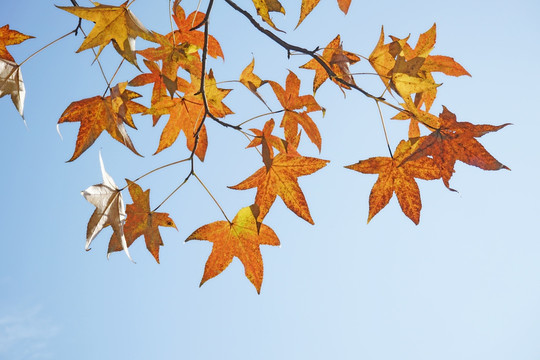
187, 97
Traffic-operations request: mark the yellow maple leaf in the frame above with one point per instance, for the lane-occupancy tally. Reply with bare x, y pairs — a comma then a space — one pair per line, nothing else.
112, 23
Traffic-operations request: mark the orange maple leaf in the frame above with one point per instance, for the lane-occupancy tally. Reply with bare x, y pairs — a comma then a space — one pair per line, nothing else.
337, 59
100, 113
186, 113
268, 142
291, 100
10, 37
112, 23
408, 70
454, 141
397, 176
184, 116
173, 57
141, 221
159, 90
281, 178
185, 34
252, 81
214, 95
241, 238
308, 6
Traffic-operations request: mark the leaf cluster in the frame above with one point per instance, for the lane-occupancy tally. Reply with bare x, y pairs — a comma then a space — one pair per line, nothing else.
186, 94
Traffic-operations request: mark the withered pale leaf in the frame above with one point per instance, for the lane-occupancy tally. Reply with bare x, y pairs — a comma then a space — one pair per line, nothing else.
11, 82
110, 209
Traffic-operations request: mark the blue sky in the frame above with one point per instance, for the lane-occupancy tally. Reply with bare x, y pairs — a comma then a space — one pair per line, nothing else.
464, 284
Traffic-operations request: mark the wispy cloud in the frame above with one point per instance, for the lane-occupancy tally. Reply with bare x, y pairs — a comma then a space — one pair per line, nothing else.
25, 335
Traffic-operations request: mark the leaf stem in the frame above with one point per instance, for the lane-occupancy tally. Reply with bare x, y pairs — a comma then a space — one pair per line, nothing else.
156, 169
213, 198
258, 116
170, 20
112, 78
384, 130
171, 194
313, 53
46, 46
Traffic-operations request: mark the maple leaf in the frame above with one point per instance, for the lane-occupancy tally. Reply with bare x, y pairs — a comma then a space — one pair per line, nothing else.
186, 113
185, 116
281, 178
308, 6
112, 23
100, 113
337, 59
344, 5
268, 142
141, 221
454, 141
397, 176
408, 70
382, 58
159, 90
252, 81
11, 82
264, 7
10, 37
291, 101
240, 238
110, 210
185, 33
214, 95
173, 56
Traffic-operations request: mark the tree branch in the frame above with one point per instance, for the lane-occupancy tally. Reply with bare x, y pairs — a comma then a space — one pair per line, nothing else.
313, 53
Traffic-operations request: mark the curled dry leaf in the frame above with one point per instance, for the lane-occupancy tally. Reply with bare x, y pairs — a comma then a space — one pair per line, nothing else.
11, 82
110, 210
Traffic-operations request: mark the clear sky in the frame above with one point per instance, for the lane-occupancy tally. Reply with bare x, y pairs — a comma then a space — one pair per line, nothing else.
464, 284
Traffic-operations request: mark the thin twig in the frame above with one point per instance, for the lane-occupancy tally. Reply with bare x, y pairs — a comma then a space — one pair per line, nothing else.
313, 53
74, 2
171, 194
